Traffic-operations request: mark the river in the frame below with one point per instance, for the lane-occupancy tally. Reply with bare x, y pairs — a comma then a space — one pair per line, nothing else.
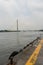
11, 41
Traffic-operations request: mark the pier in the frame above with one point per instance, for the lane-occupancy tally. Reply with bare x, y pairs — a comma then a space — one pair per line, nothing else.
32, 54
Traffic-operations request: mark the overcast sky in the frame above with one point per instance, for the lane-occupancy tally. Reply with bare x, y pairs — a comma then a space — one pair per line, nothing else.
28, 12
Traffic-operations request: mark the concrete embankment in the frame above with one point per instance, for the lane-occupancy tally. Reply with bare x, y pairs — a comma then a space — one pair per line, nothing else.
24, 54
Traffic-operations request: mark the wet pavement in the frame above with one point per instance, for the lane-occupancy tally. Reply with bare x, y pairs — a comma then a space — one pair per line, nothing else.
40, 57
25, 55
22, 57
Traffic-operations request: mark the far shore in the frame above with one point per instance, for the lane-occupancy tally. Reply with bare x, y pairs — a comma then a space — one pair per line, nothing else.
20, 30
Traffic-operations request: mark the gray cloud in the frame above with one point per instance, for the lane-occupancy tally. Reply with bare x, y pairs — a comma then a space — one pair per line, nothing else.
28, 12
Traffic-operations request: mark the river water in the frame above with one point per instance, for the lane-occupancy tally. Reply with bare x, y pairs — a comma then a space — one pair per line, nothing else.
11, 41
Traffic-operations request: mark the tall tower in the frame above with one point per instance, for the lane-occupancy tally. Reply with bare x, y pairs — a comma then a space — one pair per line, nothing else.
17, 24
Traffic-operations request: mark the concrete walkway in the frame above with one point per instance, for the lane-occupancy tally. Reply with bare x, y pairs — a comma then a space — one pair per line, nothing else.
22, 57
25, 57
40, 57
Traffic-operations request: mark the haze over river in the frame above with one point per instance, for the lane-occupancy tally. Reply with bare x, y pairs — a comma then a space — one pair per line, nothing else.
11, 41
